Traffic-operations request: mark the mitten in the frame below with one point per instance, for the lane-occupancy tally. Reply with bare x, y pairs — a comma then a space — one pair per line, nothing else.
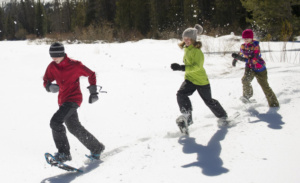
93, 94
234, 61
238, 57
177, 67
53, 88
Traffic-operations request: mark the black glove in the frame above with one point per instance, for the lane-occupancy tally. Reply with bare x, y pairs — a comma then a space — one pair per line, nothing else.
94, 94
234, 61
238, 57
177, 67
53, 88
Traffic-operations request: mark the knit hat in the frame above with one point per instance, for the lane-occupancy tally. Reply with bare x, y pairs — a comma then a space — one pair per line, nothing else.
248, 33
57, 50
193, 32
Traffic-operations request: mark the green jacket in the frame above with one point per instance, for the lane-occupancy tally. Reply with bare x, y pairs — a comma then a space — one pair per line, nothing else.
194, 71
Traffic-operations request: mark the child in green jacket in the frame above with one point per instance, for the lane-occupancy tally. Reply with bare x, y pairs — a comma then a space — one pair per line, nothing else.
195, 76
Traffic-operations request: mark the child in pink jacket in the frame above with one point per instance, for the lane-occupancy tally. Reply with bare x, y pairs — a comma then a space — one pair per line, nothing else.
255, 66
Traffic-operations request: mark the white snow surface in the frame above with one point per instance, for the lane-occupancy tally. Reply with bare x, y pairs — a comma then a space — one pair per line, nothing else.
136, 118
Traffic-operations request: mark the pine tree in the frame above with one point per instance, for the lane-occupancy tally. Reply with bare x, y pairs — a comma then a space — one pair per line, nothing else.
79, 15
140, 15
41, 20
191, 11
230, 16
123, 14
176, 16
270, 17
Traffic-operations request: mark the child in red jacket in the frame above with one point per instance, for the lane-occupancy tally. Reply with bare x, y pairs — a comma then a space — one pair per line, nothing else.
255, 66
66, 73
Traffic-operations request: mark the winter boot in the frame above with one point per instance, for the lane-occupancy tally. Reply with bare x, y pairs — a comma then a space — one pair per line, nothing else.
190, 119
62, 157
183, 121
95, 155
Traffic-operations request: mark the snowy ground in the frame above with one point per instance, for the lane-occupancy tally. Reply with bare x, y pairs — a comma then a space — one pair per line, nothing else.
136, 118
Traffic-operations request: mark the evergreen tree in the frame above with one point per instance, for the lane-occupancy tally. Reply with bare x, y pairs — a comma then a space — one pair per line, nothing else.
191, 11
176, 16
123, 14
26, 15
1, 24
271, 17
11, 20
229, 16
99, 11
158, 16
79, 15
67, 12
55, 17
41, 20
207, 11
140, 15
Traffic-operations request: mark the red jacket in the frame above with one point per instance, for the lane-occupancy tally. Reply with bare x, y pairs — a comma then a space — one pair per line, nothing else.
67, 74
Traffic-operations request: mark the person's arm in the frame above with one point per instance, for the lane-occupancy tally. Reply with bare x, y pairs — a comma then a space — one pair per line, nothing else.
85, 71
48, 79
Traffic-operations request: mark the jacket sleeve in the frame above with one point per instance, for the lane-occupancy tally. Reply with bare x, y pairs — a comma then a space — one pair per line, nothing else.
242, 53
85, 71
48, 77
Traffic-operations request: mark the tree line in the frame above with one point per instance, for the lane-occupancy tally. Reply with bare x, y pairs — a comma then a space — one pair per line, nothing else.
123, 20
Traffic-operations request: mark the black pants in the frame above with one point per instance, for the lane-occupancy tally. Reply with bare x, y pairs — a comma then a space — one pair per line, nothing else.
68, 113
188, 88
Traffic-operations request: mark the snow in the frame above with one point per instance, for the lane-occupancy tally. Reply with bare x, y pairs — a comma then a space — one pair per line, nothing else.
136, 118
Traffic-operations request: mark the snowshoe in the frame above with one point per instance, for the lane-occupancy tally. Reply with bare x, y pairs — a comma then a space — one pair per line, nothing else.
54, 162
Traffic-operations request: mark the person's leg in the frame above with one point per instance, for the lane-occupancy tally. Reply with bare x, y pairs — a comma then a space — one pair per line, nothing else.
214, 105
185, 106
246, 80
262, 79
85, 137
187, 89
59, 130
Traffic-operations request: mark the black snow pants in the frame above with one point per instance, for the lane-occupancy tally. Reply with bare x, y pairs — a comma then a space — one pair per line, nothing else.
188, 88
67, 113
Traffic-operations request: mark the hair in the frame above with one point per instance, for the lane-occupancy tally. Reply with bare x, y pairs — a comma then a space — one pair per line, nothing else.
197, 44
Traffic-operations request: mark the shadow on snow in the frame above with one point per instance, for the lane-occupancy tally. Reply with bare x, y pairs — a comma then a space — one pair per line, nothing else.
272, 117
70, 176
208, 156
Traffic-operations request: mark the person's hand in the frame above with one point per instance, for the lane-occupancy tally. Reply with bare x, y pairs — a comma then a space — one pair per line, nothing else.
93, 98
93, 94
53, 88
234, 61
238, 57
177, 67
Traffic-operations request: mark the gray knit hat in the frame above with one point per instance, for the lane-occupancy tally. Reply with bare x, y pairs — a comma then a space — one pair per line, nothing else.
57, 50
193, 32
